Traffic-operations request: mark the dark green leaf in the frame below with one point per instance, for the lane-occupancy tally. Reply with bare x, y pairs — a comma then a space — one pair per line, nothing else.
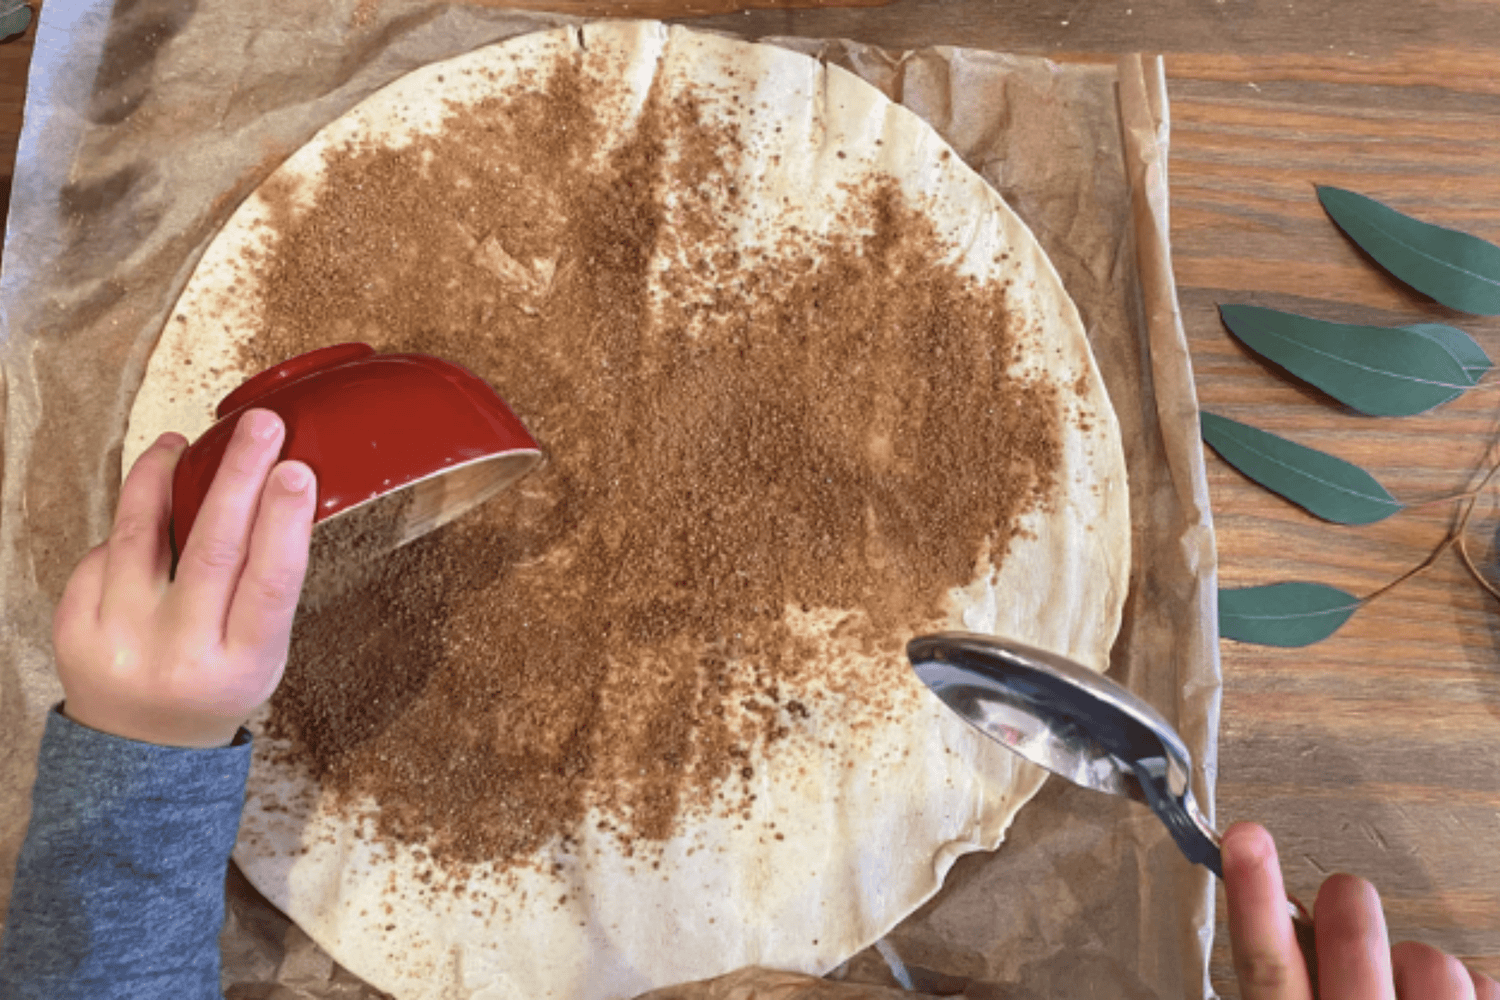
1459, 270
1284, 614
1465, 351
1383, 371
1328, 487
14, 17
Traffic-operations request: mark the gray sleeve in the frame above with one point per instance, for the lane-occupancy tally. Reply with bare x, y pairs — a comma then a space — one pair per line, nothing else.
119, 891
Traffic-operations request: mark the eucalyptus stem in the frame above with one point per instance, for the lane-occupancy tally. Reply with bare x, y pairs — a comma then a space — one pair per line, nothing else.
1454, 539
1421, 567
1470, 495
1456, 536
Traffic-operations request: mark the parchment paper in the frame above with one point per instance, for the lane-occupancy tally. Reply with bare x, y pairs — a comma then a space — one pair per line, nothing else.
148, 121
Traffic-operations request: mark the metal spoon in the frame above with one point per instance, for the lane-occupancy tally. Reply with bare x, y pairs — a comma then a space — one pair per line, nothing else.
1080, 725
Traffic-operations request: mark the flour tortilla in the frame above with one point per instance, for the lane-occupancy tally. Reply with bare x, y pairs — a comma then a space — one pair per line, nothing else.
871, 826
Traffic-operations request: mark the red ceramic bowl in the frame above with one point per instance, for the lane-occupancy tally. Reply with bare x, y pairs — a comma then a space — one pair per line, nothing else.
368, 425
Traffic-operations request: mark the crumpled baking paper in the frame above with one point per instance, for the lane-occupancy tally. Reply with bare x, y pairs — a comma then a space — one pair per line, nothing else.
146, 124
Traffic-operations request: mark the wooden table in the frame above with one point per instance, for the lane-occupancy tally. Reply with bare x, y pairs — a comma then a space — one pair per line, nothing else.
1378, 750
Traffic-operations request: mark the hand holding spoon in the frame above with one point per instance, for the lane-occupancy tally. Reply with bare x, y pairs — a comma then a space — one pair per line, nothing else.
1082, 726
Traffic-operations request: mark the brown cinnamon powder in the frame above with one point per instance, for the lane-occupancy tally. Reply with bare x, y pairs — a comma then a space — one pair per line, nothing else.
830, 423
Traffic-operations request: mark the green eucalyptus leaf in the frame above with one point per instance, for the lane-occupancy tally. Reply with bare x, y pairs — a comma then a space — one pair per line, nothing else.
1382, 371
1327, 486
14, 18
1284, 614
1465, 351
1458, 270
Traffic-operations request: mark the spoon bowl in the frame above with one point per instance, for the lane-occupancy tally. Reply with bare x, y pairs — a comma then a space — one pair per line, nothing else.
1073, 722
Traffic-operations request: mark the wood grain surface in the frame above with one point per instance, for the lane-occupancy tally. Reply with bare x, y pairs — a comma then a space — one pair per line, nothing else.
1378, 750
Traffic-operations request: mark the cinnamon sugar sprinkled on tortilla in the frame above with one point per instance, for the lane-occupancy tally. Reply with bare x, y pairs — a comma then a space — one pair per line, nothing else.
741, 444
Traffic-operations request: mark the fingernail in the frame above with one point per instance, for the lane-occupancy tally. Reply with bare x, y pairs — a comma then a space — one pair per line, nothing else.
295, 477
262, 425
172, 440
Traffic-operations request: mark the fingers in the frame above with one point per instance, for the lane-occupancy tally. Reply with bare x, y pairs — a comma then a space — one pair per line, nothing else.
1422, 972
209, 568
1355, 961
137, 556
1266, 958
265, 601
1485, 988
1354, 952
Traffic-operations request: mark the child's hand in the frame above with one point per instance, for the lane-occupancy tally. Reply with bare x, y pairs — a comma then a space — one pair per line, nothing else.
184, 662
